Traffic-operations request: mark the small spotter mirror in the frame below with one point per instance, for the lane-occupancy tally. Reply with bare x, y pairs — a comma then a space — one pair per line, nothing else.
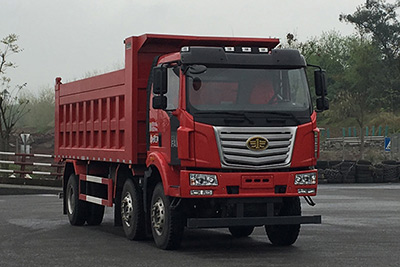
197, 69
196, 83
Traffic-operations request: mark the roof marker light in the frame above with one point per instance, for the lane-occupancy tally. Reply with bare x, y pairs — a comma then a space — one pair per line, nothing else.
185, 49
263, 50
246, 49
229, 49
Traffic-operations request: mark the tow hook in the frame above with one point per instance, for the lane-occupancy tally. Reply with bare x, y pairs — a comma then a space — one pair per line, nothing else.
309, 201
175, 203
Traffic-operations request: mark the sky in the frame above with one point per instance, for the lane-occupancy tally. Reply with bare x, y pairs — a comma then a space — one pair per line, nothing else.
69, 38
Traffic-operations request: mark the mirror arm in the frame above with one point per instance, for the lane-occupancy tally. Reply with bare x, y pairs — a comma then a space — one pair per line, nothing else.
314, 66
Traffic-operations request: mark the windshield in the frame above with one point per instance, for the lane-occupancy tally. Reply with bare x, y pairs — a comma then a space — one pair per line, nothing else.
248, 90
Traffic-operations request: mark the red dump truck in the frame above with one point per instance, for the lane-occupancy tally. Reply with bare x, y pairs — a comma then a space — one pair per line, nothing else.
194, 132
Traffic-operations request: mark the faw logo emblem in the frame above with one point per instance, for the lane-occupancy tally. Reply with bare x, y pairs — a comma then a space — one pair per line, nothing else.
257, 143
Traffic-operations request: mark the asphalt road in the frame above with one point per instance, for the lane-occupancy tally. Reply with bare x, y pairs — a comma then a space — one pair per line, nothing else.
361, 227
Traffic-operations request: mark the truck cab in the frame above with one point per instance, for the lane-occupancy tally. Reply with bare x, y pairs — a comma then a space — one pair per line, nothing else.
237, 129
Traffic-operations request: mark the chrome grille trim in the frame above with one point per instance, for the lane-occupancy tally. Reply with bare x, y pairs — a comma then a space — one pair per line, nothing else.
234, 153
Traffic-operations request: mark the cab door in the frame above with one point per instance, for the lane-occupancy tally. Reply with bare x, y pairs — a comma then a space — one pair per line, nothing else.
163, 124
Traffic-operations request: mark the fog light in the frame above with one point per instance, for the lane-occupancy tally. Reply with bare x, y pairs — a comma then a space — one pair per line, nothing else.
305, 178
201, 179
306, 191
201, 192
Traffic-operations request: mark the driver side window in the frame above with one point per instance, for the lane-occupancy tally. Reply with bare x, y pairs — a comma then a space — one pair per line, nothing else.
173, 88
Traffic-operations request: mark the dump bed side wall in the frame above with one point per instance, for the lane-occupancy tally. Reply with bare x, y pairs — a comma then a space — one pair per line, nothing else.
91, 119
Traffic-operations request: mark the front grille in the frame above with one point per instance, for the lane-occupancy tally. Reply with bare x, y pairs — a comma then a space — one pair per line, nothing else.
235, 154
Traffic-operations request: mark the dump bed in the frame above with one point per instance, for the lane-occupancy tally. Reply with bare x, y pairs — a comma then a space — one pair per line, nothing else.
103, 118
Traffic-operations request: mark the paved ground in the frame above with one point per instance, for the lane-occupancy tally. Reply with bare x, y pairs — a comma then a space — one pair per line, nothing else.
11, 189
361, 227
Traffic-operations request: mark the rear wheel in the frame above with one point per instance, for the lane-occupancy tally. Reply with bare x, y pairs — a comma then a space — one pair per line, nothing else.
285, 235
241, 231
166, 223
76, 209
132, 213
95, 214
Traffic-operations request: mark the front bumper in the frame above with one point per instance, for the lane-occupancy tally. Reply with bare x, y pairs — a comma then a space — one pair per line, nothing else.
248, 184
251, 221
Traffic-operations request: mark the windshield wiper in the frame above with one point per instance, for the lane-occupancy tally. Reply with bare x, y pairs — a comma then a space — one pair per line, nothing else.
238, 115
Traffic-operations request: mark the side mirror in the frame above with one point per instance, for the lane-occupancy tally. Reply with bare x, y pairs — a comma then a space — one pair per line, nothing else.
160, 80
160, 102
320, 83
322, 104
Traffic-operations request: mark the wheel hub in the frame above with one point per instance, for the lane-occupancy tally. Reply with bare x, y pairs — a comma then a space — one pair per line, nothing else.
158, 216
127, 209
71, 201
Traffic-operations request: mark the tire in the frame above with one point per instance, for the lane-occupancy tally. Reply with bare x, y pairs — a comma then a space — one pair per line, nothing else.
333, 176
334, 164
364, 173
322, 165
365, 179
285, 235
76, 209
166, 224
389, 162
348, 169
322, 177
241, 231
132, 213
378, 177
390, 174
95, 214
364, 162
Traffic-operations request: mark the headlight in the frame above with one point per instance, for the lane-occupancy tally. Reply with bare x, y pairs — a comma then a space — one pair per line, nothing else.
305, 178
201, 179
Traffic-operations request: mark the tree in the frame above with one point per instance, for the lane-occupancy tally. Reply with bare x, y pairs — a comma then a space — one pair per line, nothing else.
361, 82
355, 68
40, 118
331, 52
377, 20
12, 107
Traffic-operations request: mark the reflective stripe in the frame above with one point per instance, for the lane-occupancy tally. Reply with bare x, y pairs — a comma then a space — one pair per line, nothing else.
94, 179
95, 200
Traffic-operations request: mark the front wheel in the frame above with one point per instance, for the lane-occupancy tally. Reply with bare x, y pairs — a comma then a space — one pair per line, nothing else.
166, 223
285, 235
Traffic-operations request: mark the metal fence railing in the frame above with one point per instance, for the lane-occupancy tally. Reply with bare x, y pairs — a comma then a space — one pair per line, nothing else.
29, 166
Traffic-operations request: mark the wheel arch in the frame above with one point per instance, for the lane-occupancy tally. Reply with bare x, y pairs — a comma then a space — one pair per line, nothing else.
170, 177
151, 178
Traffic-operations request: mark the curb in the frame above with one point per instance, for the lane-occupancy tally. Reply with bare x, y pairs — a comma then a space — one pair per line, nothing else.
9, 189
